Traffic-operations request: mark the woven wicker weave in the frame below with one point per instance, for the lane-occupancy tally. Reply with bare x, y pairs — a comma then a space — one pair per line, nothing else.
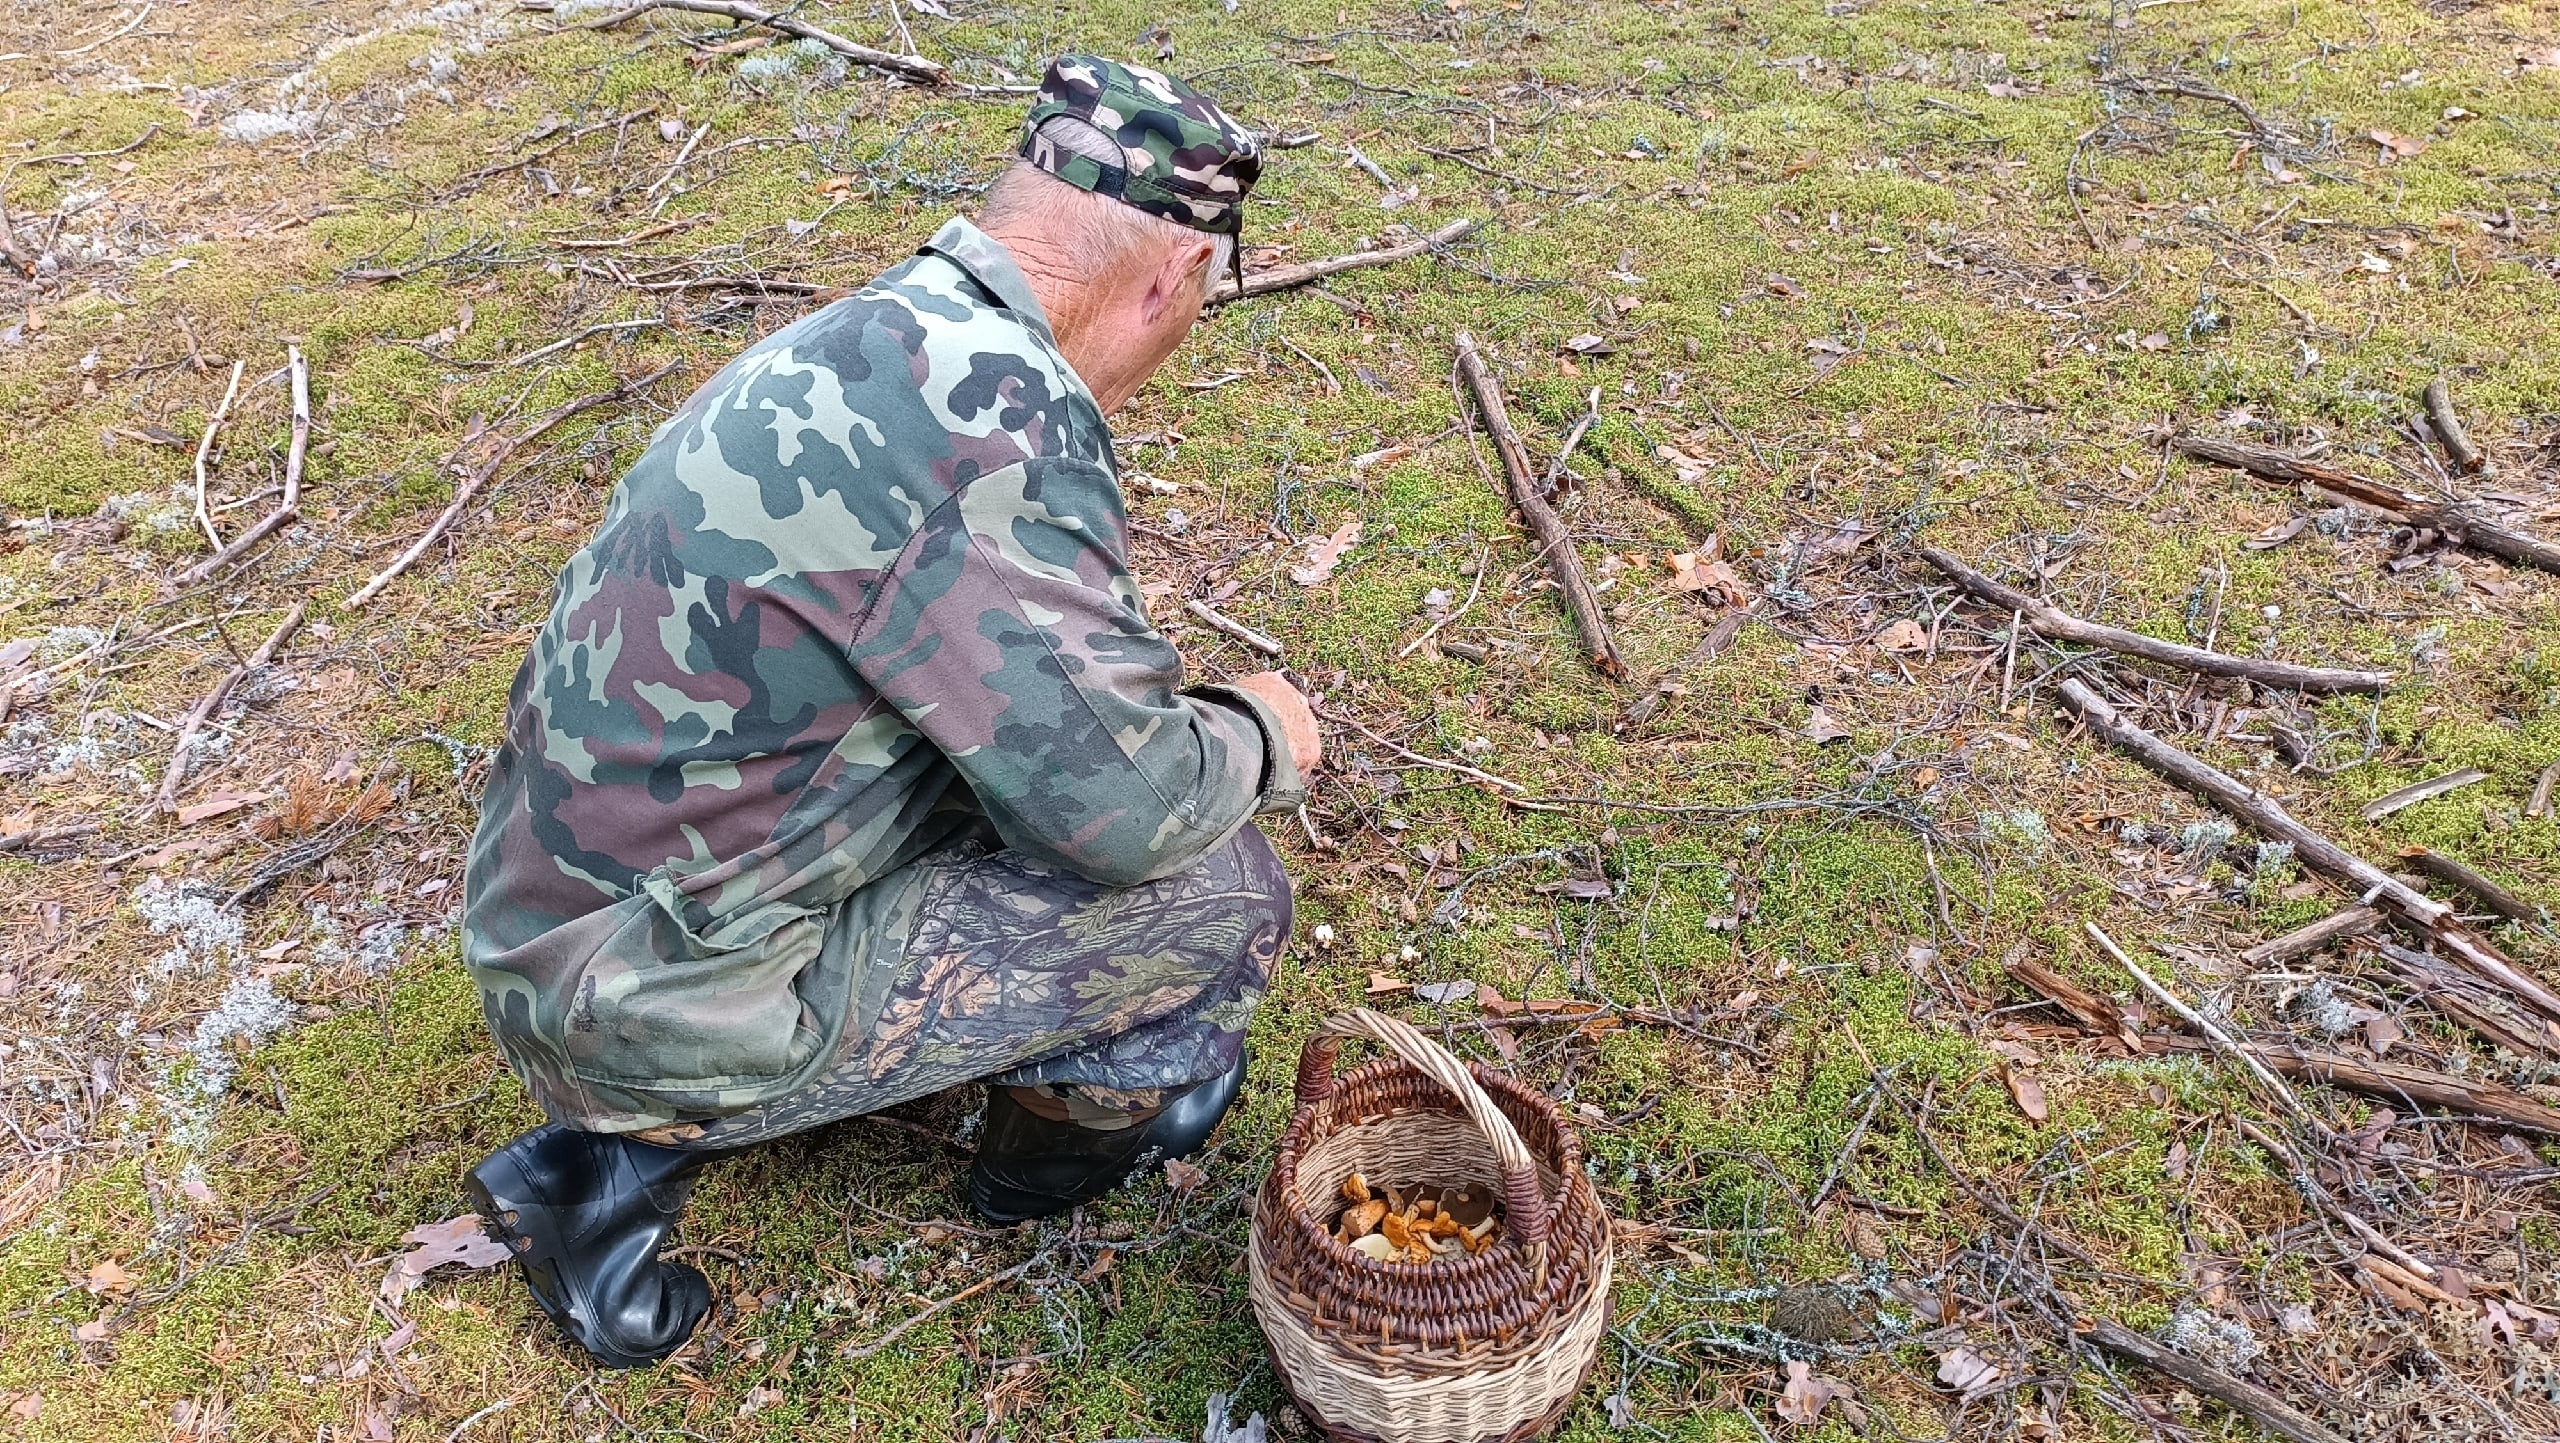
1485, 1348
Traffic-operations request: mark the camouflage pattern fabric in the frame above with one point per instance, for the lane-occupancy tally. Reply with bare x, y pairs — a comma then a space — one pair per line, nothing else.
1186, 160
1025, 974
863, 595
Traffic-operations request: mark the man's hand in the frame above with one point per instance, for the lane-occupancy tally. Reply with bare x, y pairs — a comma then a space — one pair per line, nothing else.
1297, 719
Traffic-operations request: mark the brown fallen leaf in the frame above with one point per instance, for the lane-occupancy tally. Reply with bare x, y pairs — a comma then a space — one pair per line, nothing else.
2540, 59
1324, 555
1966, 1371
26, 1406
2028, 1092
1807, 1393
2274, 536
1903, 635
94, 1330
1182, 1177
2399, 146
1102, 1262
218, 804
1705, 571
1384, 983
1820, 727
456, 1240
109, 1279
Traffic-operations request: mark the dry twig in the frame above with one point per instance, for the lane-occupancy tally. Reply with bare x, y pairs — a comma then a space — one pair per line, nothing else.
287, 510
2455, 519
1281, 278
2303, 941
2269, 819
2448, 428
204, 449
2247, 1399
905, 67
2049, 620
212, 701
469, 490
1555, 543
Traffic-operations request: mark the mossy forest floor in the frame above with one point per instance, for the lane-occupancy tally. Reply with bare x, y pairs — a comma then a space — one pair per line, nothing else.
1842, 279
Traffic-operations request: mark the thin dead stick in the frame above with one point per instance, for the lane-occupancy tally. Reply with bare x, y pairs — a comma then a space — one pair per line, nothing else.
128, 28
2049, 620
565, 342
2009, 667
2322, 1198
2247, 1399
2448, 869
2454, 519
885, 1339
905, 67
2303, 941
1418, 758
2392, 1081
2542, 786
2449, 433
1268, 646
1554, 541
212, 701
2269, 819
2465, 1000
464, 495
1564, 453
204, 448
682, 156
1282, 278
2222, 1040
287, 510
1483, 555
2416, 792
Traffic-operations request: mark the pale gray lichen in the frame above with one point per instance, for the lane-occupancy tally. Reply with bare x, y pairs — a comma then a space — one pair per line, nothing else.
2321, 1006
2222, 1343
2202, 842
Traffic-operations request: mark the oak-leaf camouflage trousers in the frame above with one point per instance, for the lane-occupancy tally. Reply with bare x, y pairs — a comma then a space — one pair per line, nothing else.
1023, 974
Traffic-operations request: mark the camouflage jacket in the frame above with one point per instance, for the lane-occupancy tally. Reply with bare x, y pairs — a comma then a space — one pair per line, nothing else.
864, 594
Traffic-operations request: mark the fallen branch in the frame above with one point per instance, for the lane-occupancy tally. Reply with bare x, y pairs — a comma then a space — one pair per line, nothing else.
2448, 428
469, 490
287, 510
1282, 278
2303, 941
212, 701
1554, 542
2463, 999
2542, 786
2447, 869
905, 67
204, 449
2049, 620
1417, 758
2247, 1399
2269, 819
2219, 1038
2454, 519
865, 1350
2391, 1081
1213, 617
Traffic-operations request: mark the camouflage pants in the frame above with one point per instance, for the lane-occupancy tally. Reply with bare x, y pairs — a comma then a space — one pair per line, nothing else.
1021, 974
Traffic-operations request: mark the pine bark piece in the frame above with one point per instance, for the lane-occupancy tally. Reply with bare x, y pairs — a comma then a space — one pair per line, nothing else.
2099, 1014
2303, 941
2268, 818
2416, 792
2247, 1399
2451, 518
1282, 278
2049, 620
1555, 543
2390, 1081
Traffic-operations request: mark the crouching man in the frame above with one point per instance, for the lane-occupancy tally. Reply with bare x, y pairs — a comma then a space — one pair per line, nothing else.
848, 766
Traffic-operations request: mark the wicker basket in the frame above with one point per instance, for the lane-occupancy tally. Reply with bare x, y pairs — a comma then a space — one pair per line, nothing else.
1474, 1349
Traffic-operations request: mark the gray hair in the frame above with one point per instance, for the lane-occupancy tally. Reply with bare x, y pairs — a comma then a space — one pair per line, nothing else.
1098, 233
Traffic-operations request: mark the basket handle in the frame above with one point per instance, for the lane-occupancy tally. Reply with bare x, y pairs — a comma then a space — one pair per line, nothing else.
1521, 1198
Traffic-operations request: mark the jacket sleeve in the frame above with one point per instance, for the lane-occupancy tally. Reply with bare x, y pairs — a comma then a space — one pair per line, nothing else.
1010, 633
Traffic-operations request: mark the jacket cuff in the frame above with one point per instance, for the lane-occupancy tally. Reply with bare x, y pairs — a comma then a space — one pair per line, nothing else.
1283, 788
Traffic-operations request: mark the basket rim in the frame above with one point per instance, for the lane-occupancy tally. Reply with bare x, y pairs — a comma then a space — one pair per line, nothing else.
1467, 1267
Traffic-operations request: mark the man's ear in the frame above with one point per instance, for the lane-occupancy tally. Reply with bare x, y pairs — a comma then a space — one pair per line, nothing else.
1180, 277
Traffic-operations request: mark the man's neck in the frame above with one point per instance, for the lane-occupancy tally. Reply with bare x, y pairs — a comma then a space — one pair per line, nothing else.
1064, 299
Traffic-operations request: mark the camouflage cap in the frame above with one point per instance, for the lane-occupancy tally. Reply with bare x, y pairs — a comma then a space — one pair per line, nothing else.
1186, 159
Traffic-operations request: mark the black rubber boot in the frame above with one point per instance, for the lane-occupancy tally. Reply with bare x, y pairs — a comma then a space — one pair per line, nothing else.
584, 1213
1030, 1167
